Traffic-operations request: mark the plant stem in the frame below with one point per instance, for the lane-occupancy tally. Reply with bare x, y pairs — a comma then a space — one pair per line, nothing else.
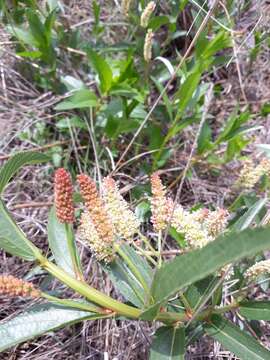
159, 249
119, 308
183, 317
90, 293
147, 243
185, 302
145, 254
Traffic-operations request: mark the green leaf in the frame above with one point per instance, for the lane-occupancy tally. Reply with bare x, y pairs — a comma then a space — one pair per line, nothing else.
143, 211
232, 126
234, 148
189, 268
96, 10
182, 4
220, 41
39, 320
187, 89
248, 218
180, 238
204, 139
48, 25
25, 36
125, 282
72, 83
165, 97
74, 122
57, 236
196, 293
255, 310
103, 70
140, 263
235, 340
16, 162
244, 130
168, 344
150, 313
31, 54
80, 99
13, 240
37, 28
156, 22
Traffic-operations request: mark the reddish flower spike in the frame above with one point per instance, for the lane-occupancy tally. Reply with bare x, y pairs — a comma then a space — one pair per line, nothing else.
63, 196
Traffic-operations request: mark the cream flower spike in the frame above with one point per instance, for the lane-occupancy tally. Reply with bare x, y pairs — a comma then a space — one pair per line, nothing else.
146, 14
89, 235
160, 205
124, 220
148, 44
103, 236
261, 267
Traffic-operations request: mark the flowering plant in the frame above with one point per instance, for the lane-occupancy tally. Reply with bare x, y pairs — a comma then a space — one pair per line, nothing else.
184, 294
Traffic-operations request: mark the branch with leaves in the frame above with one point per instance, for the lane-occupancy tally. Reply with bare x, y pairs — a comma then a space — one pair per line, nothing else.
183, 294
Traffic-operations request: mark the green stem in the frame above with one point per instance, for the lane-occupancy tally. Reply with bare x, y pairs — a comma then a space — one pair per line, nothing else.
132, 267
159, 249
119, 308
90, 293
145, 254
146, 241
185, 302
169, 317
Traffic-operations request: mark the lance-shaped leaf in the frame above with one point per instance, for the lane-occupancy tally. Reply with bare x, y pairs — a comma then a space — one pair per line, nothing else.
103, 70
249, 217
16, 162
235, 340
255, 310
188, 88
131, 275
80, 99
63, 248
168, 344
139, 262
12, 238
37, 321
125, 282
189, 268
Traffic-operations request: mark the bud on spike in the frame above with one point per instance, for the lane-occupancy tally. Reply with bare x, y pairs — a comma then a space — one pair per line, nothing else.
148, 44
124, 220
145, 17
63, 196
96, 209
10, 285
161, 207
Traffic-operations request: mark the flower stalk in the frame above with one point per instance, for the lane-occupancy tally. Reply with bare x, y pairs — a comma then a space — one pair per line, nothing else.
91, 293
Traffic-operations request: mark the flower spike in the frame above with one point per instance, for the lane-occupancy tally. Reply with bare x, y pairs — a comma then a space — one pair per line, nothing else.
63, 196
124, 220
11, 286
96, 209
